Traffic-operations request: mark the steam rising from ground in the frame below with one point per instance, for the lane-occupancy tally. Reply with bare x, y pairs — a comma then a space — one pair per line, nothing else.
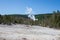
29, 12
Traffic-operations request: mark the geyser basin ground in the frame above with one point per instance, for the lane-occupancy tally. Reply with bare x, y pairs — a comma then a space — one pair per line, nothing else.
21, 32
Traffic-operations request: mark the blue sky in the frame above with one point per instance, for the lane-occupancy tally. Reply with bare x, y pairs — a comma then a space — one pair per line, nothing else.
19, 6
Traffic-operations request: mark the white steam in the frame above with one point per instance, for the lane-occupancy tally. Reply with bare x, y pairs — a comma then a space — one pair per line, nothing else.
32, 17
29, 12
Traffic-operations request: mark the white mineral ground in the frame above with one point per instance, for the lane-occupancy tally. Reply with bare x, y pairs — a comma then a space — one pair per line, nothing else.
27, 32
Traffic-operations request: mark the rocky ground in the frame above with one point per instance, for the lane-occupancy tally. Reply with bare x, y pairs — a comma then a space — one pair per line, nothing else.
28, 32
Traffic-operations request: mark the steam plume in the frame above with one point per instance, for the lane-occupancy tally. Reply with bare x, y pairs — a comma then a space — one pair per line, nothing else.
29, 11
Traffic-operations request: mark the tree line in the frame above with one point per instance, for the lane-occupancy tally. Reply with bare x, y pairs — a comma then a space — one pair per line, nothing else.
51, 20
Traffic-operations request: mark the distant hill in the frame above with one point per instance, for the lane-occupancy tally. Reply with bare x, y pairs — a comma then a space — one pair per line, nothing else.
19, 15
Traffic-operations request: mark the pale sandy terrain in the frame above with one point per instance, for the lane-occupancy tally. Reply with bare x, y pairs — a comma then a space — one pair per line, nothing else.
24, 32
